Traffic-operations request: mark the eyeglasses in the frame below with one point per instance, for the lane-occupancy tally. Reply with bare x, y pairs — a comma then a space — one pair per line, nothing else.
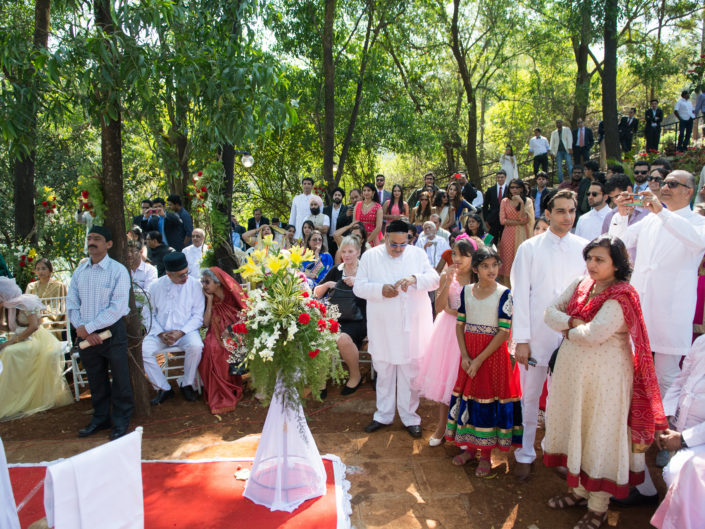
182, 275
672, 184
641, 172
395, 245
654, 179
594, 194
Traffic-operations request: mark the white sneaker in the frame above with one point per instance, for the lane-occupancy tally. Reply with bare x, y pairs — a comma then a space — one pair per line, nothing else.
433, 441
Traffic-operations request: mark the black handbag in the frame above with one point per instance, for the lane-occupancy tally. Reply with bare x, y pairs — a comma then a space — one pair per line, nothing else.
342, 295
552, 361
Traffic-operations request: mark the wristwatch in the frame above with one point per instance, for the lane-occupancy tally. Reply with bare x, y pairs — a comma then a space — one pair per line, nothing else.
683, 443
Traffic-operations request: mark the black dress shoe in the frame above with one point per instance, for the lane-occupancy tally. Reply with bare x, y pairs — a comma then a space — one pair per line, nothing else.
635, 498
414, 430
374, 426
189, 394
162, 396
93, 428
347, 390
323, 394
118, 432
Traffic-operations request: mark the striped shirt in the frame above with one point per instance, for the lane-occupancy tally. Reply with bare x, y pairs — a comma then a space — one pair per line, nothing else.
99, 294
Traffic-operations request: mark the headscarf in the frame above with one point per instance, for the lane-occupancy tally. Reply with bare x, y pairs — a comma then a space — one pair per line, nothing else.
12, 298
234, 295
646, 411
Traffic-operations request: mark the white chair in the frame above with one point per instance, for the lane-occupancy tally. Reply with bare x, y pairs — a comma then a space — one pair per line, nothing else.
173, 366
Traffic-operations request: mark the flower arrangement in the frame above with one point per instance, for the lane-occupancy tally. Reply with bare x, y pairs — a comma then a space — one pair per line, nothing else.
285, 334
48, 202
22, 262
91, 197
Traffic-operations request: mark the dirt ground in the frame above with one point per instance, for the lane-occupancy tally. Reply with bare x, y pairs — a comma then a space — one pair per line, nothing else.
396, 481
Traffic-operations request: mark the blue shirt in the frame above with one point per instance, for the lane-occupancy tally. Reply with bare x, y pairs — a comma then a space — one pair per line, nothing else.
537, 203
98, 295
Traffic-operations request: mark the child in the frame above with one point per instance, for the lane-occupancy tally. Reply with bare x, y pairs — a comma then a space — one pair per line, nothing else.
484, 408
439, 367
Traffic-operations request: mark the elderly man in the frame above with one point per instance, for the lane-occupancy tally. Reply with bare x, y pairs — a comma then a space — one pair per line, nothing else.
436, 219
431, 243
97, 301
194, 252
177, 305
395, 279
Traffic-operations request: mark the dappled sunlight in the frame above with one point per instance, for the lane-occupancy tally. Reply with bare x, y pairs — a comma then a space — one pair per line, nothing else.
210, 446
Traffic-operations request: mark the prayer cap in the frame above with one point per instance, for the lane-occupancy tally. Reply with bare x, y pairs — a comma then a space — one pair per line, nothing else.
175, 261
102, 230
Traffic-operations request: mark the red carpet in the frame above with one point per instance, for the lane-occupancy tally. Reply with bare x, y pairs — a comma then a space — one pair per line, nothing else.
193, 495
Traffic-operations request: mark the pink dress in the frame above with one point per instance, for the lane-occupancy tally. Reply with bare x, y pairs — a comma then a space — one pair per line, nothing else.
441, 361
369, 219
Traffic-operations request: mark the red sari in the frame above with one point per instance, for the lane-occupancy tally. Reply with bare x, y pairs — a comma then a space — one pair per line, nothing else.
221, 390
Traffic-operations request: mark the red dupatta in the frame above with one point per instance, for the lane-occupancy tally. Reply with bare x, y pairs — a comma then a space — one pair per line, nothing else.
228, 310
646, 411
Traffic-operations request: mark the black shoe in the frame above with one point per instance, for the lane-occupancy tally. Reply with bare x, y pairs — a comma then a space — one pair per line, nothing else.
635, 498
374, 426
93, 428
189, 394
162, 396
118, 432
323, 394
347, 390
414, 430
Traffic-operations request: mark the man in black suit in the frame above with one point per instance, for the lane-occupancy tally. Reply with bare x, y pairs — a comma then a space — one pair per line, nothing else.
466, 188
382, 193
627, 127
337, 213
168, 224
256, 220
652, 127
490, 207
583, 141
142, 219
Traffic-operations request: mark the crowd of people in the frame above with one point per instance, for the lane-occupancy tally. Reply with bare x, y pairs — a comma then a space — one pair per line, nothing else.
513, 308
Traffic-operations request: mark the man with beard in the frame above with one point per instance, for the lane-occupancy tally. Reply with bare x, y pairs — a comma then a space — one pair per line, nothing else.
321, 221
337, 213
641, 171
590, 224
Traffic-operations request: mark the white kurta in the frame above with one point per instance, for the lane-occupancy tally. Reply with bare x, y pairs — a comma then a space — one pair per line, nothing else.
433, 252
669, 248
590, 225
194, 256
397, 328
300, 211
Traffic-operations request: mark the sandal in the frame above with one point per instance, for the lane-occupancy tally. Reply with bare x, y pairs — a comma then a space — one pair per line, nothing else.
484, 469
591, 520
567, 500
462, 458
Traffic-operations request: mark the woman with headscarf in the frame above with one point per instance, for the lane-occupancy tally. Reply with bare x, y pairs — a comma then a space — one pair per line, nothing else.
225, 301
32, 378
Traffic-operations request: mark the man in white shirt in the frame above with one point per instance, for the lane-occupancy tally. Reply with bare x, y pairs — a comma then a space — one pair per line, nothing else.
440, 232
301, 205
431, 243
590, 224
395, 279
194, 252
561, 148
543, 268
685, 113
143, 274
177, 306
538, 146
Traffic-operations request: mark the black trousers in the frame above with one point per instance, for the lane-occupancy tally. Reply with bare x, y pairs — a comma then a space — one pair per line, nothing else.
541, 160
686, 129
625, 141
580, 155
653, 136
97, 360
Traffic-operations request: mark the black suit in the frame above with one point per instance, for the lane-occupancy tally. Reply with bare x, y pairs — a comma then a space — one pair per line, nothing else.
252, 223
173, 229
156, 257
627, 128
582, 154
142, 222
490, 210
652, 128
342, 220
469, 192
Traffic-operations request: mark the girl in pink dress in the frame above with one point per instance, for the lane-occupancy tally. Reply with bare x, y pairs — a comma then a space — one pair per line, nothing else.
439, 365
396, 207
369, 212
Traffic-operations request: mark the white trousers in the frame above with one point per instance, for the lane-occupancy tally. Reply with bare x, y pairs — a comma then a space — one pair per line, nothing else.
679, 459
190, 343
667, 369
531, 387
394, 390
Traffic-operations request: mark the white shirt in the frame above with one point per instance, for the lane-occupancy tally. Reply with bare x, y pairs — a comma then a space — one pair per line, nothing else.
433, 252
538, 146
685, 109
398, 328
478, 200
300, 210
567, 140
174, 307
669, 248
194, 256
543, 268
334, 213
144, 276
590, 224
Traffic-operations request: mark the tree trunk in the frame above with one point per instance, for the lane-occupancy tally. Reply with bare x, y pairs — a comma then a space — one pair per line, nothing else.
112, 184
609, 82
328, 96
582, 77
223, 251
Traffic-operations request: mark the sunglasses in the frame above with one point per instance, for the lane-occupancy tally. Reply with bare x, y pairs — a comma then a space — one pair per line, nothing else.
641, 172
593, 194
654, 179
672, 184
395, 245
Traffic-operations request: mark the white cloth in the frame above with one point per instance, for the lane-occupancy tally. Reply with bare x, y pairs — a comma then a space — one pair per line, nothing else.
8, 511
98, 488
300, 210
334, 213
590, 224
669, 248
509, 164
531, 388
194, 256
394, 389
683, 507
478, 201
433, 252
567, 137
397, 328
192, 346
685, 109
538, 146
144, 275
443, 233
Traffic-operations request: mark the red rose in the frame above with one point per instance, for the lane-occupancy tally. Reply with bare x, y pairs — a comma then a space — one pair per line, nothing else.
22, 264
30, 259
84, 193
48, 211
241, 328
45, 203
314, 353
304, 294
322, 308
334, 326
23, 257
304, 318
322, 325
203, 189
200, 173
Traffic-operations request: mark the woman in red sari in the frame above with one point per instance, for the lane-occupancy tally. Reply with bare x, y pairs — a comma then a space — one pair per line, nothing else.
224, 302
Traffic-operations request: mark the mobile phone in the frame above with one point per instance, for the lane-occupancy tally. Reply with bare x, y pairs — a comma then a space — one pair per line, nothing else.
532, 361
635, 201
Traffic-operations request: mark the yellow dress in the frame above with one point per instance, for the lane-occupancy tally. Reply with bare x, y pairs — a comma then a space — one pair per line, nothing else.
54, 315
32, 379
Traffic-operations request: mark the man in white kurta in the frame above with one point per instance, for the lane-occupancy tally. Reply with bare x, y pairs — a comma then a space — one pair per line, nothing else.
301, 205
431, 243
195, 251
543, 268
395, 279
669, 244
177, 305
